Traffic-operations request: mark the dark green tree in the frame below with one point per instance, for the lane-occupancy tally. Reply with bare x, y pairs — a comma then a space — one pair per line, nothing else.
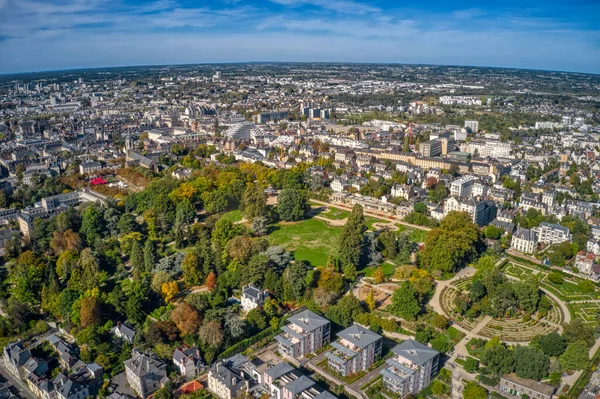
350, 244
292, 204
405, 301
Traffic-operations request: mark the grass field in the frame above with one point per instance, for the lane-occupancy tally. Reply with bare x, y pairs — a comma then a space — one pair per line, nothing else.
335, 214
311, 240
234, 216
388, 269
418, 235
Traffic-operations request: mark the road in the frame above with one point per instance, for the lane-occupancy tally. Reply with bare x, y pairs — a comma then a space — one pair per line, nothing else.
22, 389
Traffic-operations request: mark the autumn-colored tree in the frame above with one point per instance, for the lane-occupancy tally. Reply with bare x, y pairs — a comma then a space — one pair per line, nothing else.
370, 301
211, 281
211, 333
378, 275
169, 291
186, 318
90, 312
65, 241
192, 274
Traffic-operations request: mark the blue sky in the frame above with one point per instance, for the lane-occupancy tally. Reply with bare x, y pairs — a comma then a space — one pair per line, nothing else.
60, 34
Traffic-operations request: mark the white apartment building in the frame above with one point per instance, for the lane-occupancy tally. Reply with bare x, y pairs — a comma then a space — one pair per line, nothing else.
462, 187
473, 125
550, 233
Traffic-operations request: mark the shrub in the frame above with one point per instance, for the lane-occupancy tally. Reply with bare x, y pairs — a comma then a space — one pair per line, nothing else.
556, 277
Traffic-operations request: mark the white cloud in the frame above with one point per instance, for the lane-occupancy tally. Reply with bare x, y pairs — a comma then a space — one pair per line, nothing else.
341, 6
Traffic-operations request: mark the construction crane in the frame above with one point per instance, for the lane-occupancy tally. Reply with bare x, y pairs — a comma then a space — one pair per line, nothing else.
410, 130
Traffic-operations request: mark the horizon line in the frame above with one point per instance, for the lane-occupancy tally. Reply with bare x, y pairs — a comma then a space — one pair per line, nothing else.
91, 68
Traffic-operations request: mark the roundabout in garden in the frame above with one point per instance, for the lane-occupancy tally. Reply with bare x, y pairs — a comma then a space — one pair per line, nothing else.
509, 329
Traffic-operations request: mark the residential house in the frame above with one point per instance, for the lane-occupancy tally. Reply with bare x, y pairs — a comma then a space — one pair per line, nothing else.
188, 361
524, 240
89, 167
228, 379
306, 332
124, 331
584, 262
15, 356
146, 373
411, 369
253, 297
356, 350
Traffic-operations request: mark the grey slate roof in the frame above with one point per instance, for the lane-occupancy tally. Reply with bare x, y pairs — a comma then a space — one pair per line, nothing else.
299, 385
415, 352
359, 336
308, 320
279, 370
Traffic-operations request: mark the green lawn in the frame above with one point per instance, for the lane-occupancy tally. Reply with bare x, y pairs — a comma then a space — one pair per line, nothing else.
418, 235
388, 269
234, 216
335, 214
311, 240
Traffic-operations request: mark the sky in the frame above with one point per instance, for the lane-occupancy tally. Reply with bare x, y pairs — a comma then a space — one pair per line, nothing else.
40, 35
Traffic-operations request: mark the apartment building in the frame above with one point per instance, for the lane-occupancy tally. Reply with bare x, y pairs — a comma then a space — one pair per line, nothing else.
431, 148
51, 206
481, 212
550, 233
411, 369
584, 262
356, 349
306, 332
462, 187
519, 387
89, 167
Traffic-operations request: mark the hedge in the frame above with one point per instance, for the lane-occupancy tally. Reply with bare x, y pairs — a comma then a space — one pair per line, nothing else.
246, 343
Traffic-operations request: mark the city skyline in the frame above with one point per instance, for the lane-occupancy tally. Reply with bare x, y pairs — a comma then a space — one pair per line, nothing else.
70, 34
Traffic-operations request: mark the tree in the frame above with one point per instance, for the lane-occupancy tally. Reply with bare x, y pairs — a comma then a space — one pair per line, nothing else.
169, 291
292, 204
379, 275
127, 224
211, 281
453, 245
254, 202
161, 332
552, 344
530, 363
404, 301
90, 312
256, 317
440, 321
294, 281
473, 390
528, 294
86, 275
186, 318
370, 301
477, 291
192, 274
65, 241
575, 356
492, 232
149, 255
350, 247
343, 312
137, 259
211, 333
498, 359
158, 279
92, 224
577, 331
259, 226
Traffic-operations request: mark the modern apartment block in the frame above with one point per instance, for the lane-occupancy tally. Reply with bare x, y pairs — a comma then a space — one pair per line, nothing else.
356, 349
306, 332
411, 369
481, 212
550, 233
462, 187
431, 148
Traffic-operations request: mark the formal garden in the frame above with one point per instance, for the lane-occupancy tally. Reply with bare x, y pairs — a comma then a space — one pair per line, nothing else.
511, 324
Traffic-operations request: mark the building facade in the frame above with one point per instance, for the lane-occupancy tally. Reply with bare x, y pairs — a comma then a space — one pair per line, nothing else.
356, 349
306, 332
